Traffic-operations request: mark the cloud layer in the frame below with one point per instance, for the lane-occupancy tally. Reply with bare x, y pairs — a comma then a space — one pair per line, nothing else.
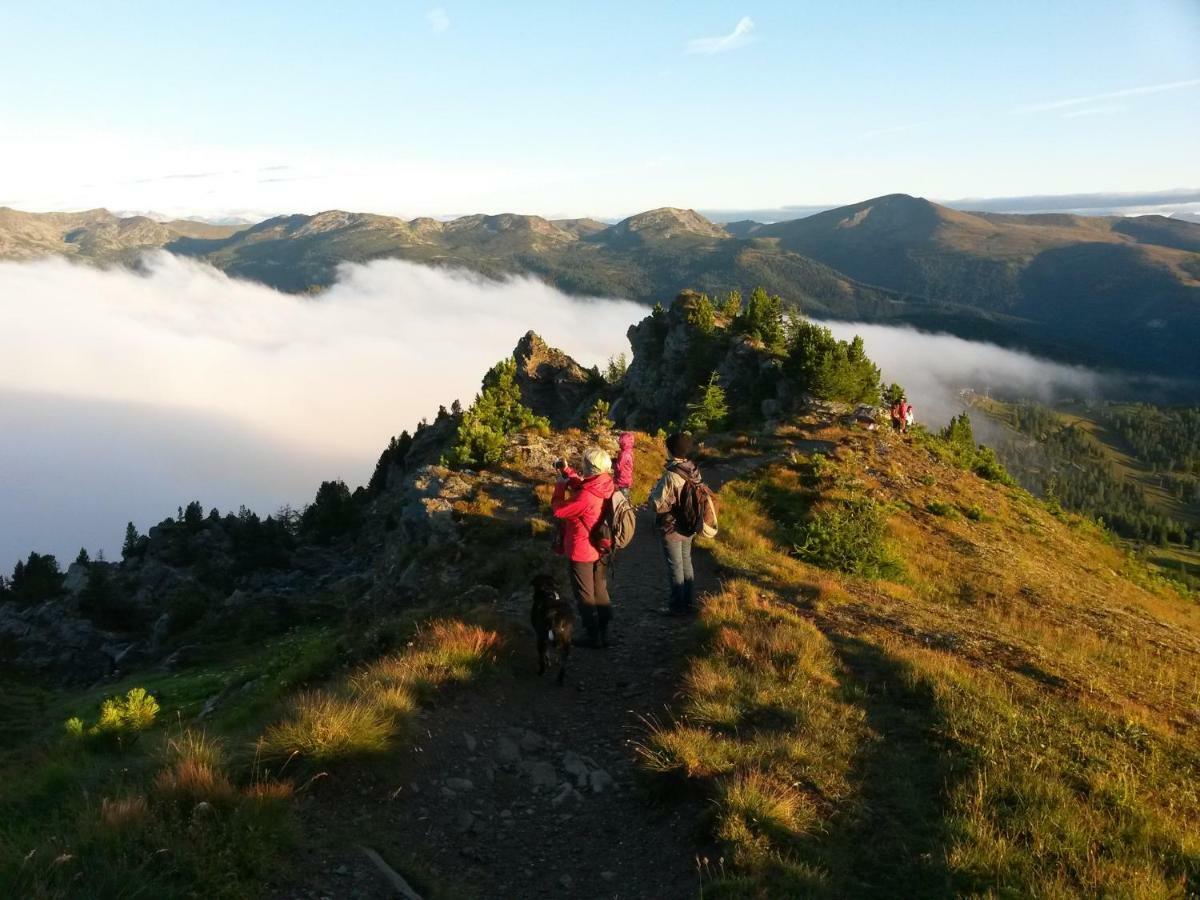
740, 36
314, 380
934, 367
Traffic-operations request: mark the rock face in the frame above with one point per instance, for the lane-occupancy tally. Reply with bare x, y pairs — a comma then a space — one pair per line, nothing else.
53, 637
552, 384
673, 358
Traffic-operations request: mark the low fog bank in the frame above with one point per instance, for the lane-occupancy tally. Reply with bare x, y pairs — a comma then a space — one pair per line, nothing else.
125, 394
934, 368
76, 470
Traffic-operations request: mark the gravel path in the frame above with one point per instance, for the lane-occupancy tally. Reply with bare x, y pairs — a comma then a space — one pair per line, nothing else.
523, 789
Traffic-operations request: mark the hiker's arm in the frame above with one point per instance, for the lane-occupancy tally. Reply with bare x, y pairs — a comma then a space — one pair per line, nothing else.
568, 509
662, 497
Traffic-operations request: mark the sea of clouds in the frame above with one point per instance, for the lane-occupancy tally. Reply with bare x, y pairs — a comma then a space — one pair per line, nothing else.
125, 394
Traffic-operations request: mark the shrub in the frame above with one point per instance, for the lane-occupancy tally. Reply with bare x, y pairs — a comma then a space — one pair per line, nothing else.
121, 719
597, 418
332, 513
761, 318
939, 508
832, 369
496, 413
709, 410
847, 535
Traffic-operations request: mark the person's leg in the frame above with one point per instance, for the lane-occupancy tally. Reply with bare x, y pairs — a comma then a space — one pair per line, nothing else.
674, 556
603, 603
583, 585
689, 576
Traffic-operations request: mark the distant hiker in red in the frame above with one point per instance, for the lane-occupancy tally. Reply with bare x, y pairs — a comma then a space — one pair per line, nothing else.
900, 415
579, 514
624, 479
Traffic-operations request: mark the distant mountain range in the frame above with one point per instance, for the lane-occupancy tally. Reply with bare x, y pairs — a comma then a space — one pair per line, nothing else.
1116, 292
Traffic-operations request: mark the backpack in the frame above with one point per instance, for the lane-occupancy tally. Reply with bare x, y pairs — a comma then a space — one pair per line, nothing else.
696, 510
614, 529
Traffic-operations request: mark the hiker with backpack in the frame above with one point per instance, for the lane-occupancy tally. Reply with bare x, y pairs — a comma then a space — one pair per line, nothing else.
624, 479
579, 514
684, 507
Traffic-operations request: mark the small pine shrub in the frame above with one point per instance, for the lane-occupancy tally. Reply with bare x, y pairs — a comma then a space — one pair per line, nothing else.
597, 418
709, 410
121, 719
496, 413
939, 508
847, 535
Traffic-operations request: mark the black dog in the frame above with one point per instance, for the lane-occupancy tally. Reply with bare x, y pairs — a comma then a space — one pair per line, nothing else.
553, 621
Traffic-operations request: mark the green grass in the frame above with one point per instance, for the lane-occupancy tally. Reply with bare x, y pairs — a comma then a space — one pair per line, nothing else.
870, 737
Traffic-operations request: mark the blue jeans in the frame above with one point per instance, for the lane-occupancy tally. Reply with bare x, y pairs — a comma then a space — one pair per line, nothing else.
680, 576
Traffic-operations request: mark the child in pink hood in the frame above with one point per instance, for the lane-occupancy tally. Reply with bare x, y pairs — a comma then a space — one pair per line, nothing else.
624, 468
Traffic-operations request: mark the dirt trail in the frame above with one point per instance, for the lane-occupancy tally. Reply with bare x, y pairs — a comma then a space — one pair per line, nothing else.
519, 788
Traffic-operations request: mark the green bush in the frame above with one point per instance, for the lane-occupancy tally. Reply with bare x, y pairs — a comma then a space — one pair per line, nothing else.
709, 410
597, 419
496, 413
832, 369
761, 317
938, 508
121, 719
849, 536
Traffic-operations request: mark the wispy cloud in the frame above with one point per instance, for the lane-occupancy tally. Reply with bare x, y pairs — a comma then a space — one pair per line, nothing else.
1111, 95
739, 37
438, 20
1092, 111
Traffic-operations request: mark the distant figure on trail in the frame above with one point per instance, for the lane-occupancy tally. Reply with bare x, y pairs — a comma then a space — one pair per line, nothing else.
624, 479
578, 515
677, 546
909, 417
901, 411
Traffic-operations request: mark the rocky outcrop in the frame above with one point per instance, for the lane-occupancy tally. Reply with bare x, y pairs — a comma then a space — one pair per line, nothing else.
553, 384
673, 358
51, 637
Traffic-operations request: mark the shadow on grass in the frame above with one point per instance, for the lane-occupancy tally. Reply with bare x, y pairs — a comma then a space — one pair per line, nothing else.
893, 840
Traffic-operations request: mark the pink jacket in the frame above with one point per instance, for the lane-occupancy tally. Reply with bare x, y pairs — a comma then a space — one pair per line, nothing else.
624, 466
580, 514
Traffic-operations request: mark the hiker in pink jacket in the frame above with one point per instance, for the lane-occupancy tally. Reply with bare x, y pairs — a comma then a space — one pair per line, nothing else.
624, 475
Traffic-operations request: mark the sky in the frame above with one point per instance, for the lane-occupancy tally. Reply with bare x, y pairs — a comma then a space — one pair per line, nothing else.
602, 109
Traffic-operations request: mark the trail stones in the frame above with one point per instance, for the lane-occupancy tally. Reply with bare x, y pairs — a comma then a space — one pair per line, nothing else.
507, 751
600, 780
574, 766
532, 742
542, 774
460, 784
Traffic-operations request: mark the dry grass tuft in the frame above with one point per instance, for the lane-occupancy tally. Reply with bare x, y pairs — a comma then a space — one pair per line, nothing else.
321, 726
124, 814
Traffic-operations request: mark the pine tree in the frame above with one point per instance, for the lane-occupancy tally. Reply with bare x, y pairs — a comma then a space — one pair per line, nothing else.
83, 559
709, 410
732, 305
132, 545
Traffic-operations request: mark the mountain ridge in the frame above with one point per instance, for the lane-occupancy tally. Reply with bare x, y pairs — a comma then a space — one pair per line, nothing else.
1109, 292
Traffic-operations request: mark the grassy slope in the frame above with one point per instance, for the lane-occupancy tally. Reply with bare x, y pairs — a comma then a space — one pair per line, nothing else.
1014, 714
1126, 464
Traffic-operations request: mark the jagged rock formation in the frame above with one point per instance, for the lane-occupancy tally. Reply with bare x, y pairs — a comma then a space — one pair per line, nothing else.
552, 383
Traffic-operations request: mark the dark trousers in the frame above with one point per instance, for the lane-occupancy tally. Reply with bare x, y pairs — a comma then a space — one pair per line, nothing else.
680, 577
589, 583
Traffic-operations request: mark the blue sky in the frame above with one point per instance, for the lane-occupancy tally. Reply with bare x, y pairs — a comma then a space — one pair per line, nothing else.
589, 109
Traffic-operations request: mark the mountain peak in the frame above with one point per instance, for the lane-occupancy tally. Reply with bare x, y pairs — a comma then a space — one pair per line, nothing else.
665, 223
